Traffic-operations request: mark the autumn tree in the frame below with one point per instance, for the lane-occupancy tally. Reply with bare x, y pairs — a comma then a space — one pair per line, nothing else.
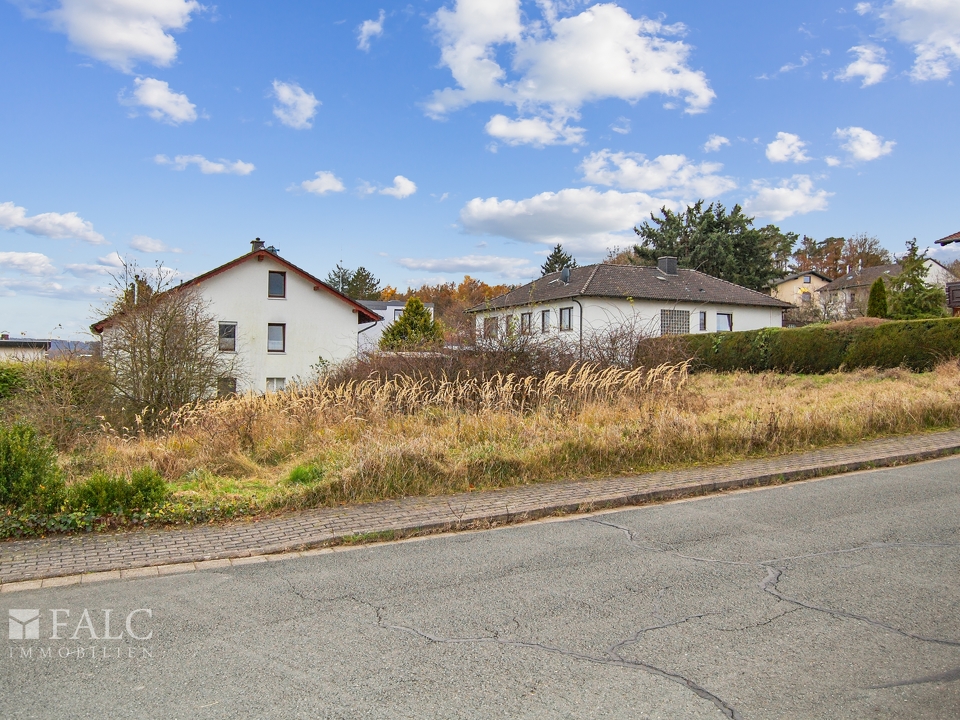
557, 260
160, 343
837, 256
717, 242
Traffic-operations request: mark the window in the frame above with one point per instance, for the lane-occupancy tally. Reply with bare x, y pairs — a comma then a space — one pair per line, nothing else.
724, 322
509, 324
226, 386
807, 279
545, 321
566, 318
276, 338
526, 323
277, 286
853, 297
490, 327
228, 337
275, 384
674, 322
397, 314
703, 321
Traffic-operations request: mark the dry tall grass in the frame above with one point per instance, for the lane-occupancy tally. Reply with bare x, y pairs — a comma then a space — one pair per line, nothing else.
382, 438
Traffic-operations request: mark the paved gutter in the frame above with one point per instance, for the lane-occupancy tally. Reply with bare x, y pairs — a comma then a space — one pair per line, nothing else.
69, 559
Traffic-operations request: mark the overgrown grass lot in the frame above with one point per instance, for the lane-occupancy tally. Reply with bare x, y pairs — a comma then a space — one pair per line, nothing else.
348, 440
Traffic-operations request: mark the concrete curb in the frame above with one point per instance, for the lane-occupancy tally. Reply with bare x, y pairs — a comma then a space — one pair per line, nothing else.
34, 564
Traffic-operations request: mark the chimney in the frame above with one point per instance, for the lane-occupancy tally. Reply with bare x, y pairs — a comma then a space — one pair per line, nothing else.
256, 244
667, 265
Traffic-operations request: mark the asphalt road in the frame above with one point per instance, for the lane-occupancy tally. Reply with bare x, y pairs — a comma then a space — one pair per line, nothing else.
831, 599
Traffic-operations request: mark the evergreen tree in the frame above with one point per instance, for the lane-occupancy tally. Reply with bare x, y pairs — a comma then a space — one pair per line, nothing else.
414, 328
339, 278
877, 304
911, 297
363, 285
718, 243
557, 260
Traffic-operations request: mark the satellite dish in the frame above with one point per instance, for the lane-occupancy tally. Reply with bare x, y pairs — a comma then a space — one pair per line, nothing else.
565, 275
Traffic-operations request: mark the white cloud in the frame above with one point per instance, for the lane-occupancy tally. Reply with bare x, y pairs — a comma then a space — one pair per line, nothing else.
57, 226
863, 8
559, 63
832, 161
533, 131
804, 61
932, 28
513, 268
207, 167
787, 148
862, 144
583, 219
796, 196
297, 107
369, 29
123, 32
714, 143
147, 244
162, 103
325, 182
622, 126
402, 188
669, 175
29, 263
106, 265
869, 65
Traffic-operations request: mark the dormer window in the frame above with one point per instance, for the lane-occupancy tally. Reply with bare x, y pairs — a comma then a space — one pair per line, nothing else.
277, 285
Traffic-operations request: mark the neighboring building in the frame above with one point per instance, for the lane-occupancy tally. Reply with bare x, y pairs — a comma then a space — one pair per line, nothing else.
276, 319
847, 296
659, 300
949, 239
23, 348
799, 289
389, 310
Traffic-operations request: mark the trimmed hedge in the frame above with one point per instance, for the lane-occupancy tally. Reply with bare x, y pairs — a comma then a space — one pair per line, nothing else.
915, 344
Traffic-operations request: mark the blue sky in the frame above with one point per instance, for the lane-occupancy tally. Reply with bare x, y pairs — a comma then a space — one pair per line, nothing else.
426, 140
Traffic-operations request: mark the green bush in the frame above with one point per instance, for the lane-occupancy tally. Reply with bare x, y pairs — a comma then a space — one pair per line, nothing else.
915, 344
11, 378
30, 478
108, 495
305, 474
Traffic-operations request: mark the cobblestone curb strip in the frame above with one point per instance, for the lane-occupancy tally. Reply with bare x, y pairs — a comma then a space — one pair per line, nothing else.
63, 560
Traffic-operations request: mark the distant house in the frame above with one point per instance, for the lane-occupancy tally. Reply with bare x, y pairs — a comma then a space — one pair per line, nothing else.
953, 288
847, 296
389, 310
661, 300
276, 319
799, 289
23, 349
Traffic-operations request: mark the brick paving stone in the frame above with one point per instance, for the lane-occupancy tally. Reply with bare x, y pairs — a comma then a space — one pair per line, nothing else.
103, 555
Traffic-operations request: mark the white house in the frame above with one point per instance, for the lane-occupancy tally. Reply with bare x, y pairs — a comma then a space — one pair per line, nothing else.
847, 296
275, 319
22, 349
659, 300
389, 311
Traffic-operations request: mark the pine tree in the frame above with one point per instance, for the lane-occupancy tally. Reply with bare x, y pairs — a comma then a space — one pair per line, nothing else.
413, 329
911, 297
363, 285
877, 304
558, 260
339, 278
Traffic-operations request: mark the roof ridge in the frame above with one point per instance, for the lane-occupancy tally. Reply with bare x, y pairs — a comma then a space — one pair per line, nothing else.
590, 279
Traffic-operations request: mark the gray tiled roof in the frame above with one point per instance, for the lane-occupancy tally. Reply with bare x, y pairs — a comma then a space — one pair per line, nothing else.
632, 281
862, 278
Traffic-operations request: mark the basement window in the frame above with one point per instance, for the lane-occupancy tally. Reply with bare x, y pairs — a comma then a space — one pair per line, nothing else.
276, 384
674, 322
724, 322
228, 337
276, 338
566, 318
277, 285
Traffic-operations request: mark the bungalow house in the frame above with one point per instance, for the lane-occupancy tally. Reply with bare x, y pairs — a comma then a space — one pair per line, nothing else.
389, 311
275, 319
595, 299
22, 348
847, 296
799, 289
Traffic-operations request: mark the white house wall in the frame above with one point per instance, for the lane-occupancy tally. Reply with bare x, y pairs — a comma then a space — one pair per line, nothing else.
319, 324
602, 314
